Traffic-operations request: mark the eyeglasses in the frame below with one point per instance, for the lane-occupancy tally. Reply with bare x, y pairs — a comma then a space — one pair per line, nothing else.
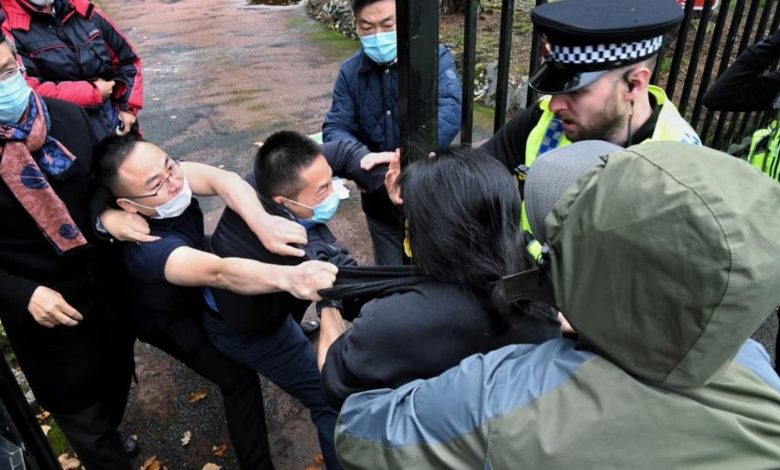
7, 74
174, 169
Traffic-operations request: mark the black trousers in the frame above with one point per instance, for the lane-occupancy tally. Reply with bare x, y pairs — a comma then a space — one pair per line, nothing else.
185, 339
82, 376
92, 433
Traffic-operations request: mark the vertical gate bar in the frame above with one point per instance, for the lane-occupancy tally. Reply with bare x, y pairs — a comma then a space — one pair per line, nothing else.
744, 42
418, 72
693, 65
762, 22
504, 50
736, 19
469, 63
679, 49
38, 452
712, 54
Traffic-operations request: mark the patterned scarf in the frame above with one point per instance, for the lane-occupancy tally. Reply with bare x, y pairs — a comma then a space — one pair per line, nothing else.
28, 149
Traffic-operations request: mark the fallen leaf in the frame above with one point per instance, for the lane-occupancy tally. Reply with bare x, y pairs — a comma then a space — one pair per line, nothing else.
211, 466
152, 463
45, 428
43, 416
197, 396
319, 459
219, 450
259, 143
185, 439
134, 436
68, 463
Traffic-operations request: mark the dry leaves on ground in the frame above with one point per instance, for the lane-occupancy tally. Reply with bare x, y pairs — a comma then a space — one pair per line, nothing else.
153, 463
185, 439
43, 416
68, 463
219, 450
45, 428
197, 396
211, 466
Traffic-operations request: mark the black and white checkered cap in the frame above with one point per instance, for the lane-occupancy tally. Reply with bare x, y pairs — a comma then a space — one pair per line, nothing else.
605, 53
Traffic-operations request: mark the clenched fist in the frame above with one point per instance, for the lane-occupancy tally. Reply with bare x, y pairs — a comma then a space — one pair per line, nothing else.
303, 281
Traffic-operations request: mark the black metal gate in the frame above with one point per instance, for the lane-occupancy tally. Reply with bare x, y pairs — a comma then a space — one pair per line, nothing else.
711, 35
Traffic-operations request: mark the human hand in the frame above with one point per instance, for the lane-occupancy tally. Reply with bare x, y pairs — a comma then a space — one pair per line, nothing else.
277, 234
376, 158
304, 280
565, 325
391, 179
105, 87
128, 120
49, 308
126, 226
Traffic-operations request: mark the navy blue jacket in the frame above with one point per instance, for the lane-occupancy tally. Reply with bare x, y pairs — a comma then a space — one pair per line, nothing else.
365, 103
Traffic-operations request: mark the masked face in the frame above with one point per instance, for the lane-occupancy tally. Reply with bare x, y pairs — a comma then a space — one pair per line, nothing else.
175, 206
382, 48
14, 97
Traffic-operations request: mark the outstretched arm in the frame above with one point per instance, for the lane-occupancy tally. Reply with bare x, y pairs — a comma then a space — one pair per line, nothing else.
187, 266
276, 233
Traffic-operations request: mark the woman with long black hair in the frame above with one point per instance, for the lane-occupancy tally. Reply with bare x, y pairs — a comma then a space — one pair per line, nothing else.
462, 212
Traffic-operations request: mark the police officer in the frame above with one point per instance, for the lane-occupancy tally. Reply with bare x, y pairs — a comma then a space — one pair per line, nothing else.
599, 58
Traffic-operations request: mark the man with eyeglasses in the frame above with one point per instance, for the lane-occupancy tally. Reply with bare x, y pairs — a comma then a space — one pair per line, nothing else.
165, 277
61, 302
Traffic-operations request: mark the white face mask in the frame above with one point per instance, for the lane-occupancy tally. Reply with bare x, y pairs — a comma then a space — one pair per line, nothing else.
175, 206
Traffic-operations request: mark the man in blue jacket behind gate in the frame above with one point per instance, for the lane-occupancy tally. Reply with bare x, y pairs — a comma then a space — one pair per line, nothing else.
365, 110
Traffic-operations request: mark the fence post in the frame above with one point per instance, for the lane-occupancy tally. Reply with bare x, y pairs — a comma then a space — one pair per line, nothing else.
504, 51
20, 425
418, 72
469, 64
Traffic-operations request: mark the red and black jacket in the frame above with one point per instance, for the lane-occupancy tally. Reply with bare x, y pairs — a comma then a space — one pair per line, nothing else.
65, 51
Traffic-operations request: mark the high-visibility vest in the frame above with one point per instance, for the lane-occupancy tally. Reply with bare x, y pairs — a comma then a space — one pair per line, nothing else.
548, 134
763, 152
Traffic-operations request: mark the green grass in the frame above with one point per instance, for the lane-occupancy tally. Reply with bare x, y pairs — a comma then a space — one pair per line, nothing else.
483, 116
333, 43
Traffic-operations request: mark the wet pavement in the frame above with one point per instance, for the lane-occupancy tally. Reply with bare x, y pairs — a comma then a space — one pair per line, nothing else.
220, 75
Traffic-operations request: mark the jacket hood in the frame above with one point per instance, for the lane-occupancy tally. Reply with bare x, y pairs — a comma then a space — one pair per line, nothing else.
666, 258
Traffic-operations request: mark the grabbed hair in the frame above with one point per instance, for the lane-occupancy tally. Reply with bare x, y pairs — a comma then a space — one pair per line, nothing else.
463, 213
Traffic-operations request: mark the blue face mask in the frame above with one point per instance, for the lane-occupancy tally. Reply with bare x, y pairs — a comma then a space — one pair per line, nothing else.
14, 98
382, 48
325, 210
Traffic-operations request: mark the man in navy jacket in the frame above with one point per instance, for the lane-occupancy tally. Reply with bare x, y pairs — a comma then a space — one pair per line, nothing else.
365, 110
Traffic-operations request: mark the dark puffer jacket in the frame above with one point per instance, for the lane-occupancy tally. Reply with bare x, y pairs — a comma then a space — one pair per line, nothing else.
66, 51
365, 103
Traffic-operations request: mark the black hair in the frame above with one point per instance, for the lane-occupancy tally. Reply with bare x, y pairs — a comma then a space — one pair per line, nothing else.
279, 162
110, 153
462, 208
358, 4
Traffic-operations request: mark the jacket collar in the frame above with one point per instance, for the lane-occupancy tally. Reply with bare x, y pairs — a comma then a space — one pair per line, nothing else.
366, 64
19, 16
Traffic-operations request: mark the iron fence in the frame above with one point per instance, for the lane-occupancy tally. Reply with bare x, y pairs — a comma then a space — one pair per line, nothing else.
693, 57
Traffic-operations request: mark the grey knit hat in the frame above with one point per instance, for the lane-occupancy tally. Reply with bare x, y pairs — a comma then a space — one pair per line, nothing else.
554, 172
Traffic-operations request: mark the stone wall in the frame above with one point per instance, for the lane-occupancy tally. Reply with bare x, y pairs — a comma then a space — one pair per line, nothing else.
335, 14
